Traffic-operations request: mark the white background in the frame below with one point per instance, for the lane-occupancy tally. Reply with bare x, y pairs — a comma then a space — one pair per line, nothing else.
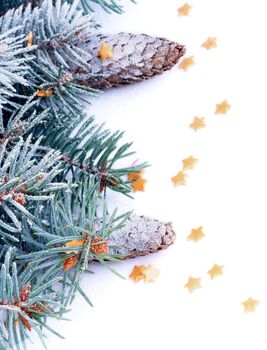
225, 193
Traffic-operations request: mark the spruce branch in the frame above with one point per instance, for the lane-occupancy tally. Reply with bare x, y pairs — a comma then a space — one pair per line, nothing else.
21, 122
90, 150
26, 299
55, 163
55, 30
67, 64
26, 177
86, 5
14, 59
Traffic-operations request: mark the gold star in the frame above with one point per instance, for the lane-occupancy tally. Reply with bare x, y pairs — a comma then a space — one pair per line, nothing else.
105, 51
30, 38
189, 163
223, 107
139, 182
138, 273
45, 93
179, 179
184, 10
210, 43
193, 284
187, 63
196, 234
198, 123
74, 243
151, 273
215, 271
250, 304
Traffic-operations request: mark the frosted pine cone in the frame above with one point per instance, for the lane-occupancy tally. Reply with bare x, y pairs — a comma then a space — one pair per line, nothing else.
141, 235
136, 57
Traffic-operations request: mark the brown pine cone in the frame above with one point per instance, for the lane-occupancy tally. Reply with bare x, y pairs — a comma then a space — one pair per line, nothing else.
136, 57
141, 235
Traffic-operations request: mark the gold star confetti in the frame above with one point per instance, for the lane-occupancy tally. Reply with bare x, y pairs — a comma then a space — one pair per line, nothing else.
139, 182
45, 93
148, 273
193, 284
74, 243
197, 123
179, 179
210, 43
151, 273
70, 262
250, 305
196, 234
138, 273
184, 10
187, 63
189, 163
223, 107
105, 51
30, 38
215, 271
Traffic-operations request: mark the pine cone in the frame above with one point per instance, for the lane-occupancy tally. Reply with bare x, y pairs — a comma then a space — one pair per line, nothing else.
136, 57
141, 235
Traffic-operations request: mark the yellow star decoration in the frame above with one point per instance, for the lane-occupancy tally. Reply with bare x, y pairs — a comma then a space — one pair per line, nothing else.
210, 43
196, 234
197, 123
105, 51
223, 107
187, 63
250, 304
184, 10
139, 182
189, 163
148, 273
138, 273
193, 284
45, 93
30, 39
215, 271
179, 179
151, 273
74, 243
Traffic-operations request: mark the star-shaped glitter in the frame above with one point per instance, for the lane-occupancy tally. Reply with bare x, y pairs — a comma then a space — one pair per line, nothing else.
187, 63
196, 234
184, 10
105, 51
215, 271
74, 243
223, 107
151, 273
139, 182
179, 179
45, 93
250, 304
193, 284
197, 123
30, 39
210, 43
189, 163
137, 273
